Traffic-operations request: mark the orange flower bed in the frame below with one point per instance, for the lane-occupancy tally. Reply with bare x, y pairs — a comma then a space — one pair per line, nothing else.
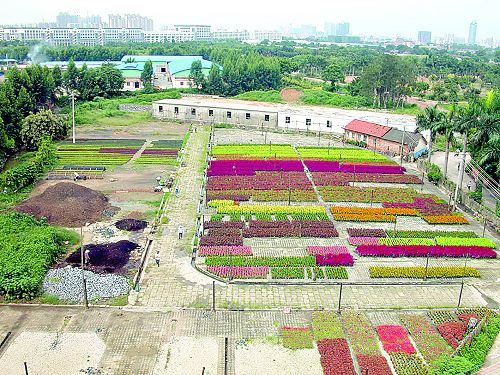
445, 219
374, 211
365, 217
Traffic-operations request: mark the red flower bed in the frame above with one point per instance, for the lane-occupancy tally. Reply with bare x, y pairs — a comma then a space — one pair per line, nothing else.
423, 251
375, 364
452, 332
335, 357
466, 317
220, 240
395, 339
335, 260
223, 224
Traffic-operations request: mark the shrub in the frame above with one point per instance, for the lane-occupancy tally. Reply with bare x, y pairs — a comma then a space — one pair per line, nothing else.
434, 173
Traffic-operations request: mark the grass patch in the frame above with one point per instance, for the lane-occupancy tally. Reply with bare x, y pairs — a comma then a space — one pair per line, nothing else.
297, 338
269, 96
118, 301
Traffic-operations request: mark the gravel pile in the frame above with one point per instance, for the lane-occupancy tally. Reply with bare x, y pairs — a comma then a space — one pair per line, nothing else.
66, 283
69, 205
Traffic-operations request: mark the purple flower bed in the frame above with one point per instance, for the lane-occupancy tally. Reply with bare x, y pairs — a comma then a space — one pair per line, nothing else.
249, 167
260, 181
221, 240
319, 232
296, 228
366, 232
335, 166
334, 260
242, 272
124, 151
223, 224
423, 251
425, 206
224, 250
224, 231
363, 241
160, 152
325, 250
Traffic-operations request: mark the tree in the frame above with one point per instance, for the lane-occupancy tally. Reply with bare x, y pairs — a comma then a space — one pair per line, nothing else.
147, 77
387, 80
71, 77
42, 124
214, 84
333, 74
429, 119
447, 127
196, 75
57, 77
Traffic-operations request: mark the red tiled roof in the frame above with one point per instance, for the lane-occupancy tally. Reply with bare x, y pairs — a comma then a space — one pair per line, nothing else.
368, 128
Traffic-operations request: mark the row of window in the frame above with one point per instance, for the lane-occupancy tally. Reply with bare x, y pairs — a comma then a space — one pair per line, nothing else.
308, 122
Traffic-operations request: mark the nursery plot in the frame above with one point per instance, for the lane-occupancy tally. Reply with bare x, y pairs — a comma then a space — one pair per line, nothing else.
161, 152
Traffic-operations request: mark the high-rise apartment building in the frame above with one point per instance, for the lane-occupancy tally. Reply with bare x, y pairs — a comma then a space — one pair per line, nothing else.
424, 37
342, 29
472, 32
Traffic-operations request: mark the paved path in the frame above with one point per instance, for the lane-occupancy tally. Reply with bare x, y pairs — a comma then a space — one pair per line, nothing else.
176, 284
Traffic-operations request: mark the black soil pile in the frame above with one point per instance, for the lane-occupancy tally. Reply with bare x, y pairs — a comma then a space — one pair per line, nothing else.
131, 225
108, 258
68, 204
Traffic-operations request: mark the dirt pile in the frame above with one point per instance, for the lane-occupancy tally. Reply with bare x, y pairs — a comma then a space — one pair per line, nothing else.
131, 224
291, 95
69, 205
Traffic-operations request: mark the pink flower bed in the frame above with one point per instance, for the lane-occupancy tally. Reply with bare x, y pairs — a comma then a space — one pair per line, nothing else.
363, 240
324, 250
335, 260
373, 364
425, 206
335, 166
260, 181
224, 250
241, 272
221, 240
395, 339
249, 167
423, 251
335, 357
366, 232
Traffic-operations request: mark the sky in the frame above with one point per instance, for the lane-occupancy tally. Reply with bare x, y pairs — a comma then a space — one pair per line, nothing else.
367, 17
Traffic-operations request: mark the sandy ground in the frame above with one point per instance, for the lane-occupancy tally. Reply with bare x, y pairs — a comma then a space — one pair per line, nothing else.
188, 356
275, 359
44, 353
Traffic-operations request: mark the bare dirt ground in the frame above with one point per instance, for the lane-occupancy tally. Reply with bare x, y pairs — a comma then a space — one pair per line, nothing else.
291, 95
149, 130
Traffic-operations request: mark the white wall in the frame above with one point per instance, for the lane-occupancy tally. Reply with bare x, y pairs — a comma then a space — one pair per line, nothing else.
318, 123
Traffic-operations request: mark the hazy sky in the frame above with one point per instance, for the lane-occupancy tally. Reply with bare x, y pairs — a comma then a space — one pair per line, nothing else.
367, 17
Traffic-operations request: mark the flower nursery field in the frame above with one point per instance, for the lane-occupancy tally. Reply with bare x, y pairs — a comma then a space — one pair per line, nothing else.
280, 212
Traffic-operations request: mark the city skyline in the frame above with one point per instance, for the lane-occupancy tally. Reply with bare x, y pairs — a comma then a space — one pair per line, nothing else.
387, 18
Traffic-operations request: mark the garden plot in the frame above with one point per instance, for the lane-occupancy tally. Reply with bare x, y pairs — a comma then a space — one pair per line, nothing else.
267, 359
52, 353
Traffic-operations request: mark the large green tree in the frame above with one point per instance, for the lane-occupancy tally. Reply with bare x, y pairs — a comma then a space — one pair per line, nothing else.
430, 119
45, 123
334, 74
196, 75
147, 76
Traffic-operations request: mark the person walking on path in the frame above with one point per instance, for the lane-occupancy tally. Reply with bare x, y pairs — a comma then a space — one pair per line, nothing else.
180, 232
87, 256
157, 258
469, 185
177, 191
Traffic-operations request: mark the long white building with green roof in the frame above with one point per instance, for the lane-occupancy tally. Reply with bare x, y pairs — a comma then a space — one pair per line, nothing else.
168, 71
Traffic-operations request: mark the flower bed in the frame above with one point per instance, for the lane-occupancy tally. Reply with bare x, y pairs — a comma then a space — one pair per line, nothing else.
429, 342
450, 241
342, 154
335, 260
205, 251
420, 272
364, 343
344, 178
252, 151
336, 272
249, 167
395, 339
326, 325
423, 251
324, 250
406, 241
445, 219
426, 206
373, 211
223, 224
296, 228
356, 241
220, 203
335, 166
282, 261
233, 197
221, 241
239, 272
365, 217
297, 337
366, 232
261, 181
367, 195
287, 272
408, 364
453, 332
254, 209
335, 357
430, 234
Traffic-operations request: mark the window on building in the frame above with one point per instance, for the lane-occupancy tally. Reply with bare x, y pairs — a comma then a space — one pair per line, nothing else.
287, 120
182, 83
328, 124
176, 110
128, 83
228, 114
160, 108
308, 122
163, 70
136, 85
247, 116
266, 117
193, 111
211, 112
365, 138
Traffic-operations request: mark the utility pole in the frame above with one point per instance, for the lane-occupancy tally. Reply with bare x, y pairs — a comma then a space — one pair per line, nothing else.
459, 182
402, 143
82, 261
73, 112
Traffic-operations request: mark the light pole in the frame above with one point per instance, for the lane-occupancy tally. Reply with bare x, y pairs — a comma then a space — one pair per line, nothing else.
402, 143
460, 178
73, 113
